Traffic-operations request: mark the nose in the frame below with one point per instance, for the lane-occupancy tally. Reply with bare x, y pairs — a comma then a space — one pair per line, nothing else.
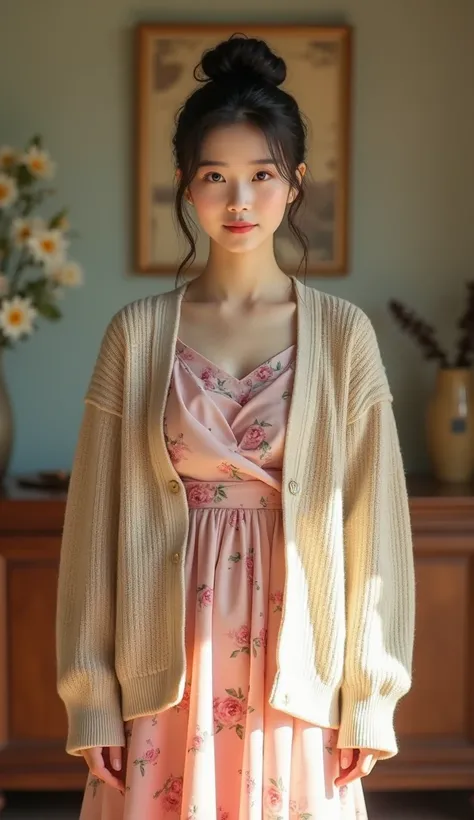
239, 199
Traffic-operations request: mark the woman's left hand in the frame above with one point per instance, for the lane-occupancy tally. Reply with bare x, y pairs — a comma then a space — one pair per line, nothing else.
354, 764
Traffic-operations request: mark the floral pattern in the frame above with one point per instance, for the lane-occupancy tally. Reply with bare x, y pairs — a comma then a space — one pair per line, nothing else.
255, 438
204, 595
177, 447
229, 712
171, 794
276, 599
241, 638
222, 752
216, 380
148, 758
198, 740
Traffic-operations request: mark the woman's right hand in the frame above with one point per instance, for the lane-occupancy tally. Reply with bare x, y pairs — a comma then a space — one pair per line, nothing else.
103, 761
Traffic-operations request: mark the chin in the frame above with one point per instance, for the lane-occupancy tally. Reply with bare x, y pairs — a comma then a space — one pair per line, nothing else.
239, 244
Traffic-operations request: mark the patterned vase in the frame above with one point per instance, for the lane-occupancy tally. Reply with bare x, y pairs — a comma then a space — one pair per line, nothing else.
450, 425
6, 423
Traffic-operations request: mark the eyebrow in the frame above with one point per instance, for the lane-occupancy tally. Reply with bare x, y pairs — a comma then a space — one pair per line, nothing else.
206, 162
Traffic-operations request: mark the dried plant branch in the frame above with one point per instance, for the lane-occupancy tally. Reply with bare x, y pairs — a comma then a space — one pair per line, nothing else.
425, 335
421, 331
465, 347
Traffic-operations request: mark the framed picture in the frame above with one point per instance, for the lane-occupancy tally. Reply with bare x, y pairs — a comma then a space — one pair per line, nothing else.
318, 60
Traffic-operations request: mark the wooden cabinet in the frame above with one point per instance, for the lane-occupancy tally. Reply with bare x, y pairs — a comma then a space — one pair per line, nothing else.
32, 716
435, 722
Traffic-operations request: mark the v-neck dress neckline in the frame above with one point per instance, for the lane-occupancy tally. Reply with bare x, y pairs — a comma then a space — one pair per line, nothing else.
183, 347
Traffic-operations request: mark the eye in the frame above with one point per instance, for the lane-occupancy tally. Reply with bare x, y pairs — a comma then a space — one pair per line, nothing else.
211, 177
262, 176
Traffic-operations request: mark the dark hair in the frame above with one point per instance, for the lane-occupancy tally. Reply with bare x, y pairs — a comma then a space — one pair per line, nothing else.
240, 79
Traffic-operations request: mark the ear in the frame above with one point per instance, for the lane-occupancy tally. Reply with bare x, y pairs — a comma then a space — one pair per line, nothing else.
187, 194
300, 172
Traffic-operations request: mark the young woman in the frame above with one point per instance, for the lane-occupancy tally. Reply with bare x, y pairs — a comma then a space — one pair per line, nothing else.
236, 593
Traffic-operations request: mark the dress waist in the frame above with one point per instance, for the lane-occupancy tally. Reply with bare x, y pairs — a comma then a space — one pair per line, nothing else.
232, 494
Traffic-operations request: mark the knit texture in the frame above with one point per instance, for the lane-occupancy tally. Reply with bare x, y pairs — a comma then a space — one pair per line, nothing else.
346, 638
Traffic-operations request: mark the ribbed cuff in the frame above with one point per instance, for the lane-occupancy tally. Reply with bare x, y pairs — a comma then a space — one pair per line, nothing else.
94, 727
368, 724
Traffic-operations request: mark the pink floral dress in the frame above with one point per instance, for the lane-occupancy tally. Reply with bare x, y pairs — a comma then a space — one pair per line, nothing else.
223, 753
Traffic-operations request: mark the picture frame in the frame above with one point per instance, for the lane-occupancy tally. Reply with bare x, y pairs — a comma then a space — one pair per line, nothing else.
318, 62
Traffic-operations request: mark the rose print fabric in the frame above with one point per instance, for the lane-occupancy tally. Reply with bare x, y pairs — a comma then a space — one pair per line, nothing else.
223, 753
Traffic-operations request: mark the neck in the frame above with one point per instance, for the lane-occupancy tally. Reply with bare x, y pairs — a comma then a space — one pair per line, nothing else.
241, 278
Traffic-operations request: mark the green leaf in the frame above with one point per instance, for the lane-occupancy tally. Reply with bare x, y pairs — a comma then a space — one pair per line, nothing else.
4, 245
36, 140
234, 654
23, 176
240, 731
232, 692
56, 219
49, 311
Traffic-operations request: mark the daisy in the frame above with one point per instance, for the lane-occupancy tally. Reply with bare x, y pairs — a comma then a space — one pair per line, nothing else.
70, 275
4, 285
23, 229
8, 191
39, 163
8, 157
16, 317
48, 247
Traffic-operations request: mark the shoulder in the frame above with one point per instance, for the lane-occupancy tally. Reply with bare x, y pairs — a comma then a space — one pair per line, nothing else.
350, 342
138, 316
342, 322
127, 337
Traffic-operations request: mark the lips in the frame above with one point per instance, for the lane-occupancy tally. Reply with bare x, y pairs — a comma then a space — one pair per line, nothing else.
240, 227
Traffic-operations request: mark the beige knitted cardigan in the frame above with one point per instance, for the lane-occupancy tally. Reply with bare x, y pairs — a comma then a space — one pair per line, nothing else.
345, 644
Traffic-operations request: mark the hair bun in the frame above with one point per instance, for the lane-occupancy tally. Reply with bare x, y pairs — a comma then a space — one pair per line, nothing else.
245, 59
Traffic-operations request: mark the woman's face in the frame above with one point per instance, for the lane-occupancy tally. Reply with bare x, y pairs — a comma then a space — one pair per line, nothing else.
237, 184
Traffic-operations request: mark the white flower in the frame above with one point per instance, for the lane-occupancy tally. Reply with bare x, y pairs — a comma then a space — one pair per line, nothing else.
8, 157
24, 229
39, 163
48, 247
16, 317
69, 275
4, 285
8, 191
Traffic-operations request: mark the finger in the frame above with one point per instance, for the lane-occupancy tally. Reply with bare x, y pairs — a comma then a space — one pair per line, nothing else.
346, 758
356, 773
116, 757
97, 765
113, 757
367, 765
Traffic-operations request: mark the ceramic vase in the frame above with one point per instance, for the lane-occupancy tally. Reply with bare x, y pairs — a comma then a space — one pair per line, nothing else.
450, 425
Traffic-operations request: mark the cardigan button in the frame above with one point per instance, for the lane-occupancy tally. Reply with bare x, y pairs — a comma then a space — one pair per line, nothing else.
175, 558
174, 486
294, 487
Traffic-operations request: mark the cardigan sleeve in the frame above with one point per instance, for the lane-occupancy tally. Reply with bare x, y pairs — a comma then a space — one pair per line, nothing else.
85, 621
380, 584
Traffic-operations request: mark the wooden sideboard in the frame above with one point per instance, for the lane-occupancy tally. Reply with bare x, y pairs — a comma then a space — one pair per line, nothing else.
435, 722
